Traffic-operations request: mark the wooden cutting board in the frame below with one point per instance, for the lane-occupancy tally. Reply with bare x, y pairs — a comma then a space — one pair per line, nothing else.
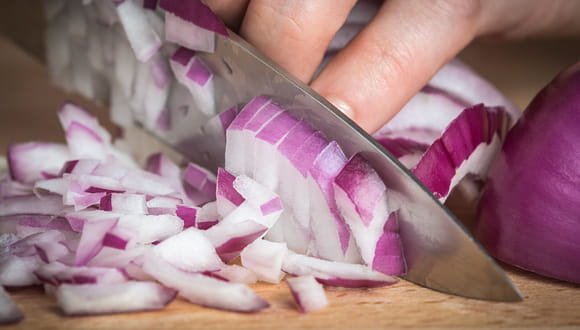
27, 112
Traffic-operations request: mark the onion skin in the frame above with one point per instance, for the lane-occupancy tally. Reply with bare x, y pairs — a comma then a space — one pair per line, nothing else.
529, 212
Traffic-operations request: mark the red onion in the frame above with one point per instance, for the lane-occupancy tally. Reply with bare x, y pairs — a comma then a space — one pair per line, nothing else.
529, 209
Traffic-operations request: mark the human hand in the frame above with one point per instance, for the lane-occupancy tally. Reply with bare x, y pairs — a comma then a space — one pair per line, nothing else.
396, 53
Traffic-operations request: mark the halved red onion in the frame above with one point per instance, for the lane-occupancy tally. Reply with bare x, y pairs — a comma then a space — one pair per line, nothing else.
308, 294
529, 209
131, 296
9, 312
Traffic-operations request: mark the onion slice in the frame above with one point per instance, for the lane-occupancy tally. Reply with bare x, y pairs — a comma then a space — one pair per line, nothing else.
131, 296
308, 293
9, 312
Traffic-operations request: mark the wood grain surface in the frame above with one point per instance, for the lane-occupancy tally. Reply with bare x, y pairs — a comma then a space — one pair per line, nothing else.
27, 112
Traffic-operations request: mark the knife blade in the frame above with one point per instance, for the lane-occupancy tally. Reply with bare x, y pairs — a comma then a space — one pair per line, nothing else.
440, 252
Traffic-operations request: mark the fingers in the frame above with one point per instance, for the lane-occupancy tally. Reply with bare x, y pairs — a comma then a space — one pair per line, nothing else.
395, 55
294, 33
230, 11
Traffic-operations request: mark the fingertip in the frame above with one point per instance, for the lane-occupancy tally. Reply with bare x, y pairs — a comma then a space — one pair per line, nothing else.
341, 105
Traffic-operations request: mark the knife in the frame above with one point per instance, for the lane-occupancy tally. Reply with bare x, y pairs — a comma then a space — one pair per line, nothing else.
440, 252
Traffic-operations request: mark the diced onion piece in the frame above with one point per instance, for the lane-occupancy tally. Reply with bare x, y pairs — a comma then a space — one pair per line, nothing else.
227, 197
195, 12
92, 238
237, 274
188, 214
124, 203
131, 296
190, 251
335, 273
363, 201
9, 312
18, 271
57, 273
308, 294
28, 161
265, 258
205, 290
229, 240
143, 38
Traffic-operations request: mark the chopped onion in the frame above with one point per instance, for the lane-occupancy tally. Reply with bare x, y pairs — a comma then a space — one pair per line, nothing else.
308, 293
132, 296
9, 312
265, 259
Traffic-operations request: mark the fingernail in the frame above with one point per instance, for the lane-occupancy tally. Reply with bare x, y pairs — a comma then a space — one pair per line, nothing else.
342, 106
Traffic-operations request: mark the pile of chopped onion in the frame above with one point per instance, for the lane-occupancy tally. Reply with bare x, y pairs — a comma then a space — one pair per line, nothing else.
105, 236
